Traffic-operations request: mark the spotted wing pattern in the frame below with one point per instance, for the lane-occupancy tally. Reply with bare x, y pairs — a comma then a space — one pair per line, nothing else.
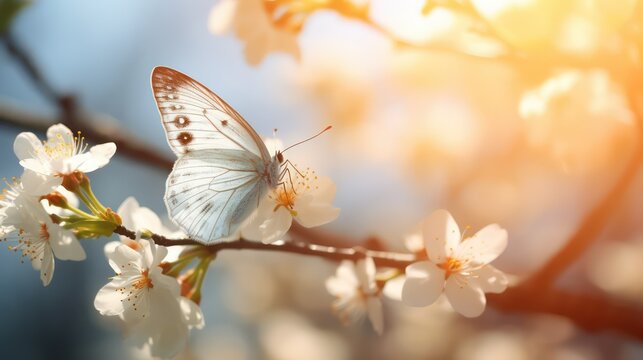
195, 118
220, 174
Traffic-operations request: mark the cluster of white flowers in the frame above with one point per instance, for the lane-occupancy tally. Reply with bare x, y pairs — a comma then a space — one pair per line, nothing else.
252, 25
357, 293
147, 301
25, 215
156, 293
40, 213
456, 267
306, 198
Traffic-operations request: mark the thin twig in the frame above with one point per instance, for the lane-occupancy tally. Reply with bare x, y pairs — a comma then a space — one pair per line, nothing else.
381, 258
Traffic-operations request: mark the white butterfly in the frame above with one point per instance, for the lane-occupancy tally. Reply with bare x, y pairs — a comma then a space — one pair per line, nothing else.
224, 168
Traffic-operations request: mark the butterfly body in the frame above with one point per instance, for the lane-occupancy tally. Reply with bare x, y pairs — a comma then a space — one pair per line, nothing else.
223, 168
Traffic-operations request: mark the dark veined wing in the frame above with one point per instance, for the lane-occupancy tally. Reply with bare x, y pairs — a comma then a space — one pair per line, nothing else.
195, 118
219, 176
209, 193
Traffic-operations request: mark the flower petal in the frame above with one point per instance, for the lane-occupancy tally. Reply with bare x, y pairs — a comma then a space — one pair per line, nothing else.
47, 266
251, 228
123, 257
311, 215
147, 249
276, 226
324, 191
126, 212
37, 184
441, 236
345, 281
192, 315
424, 284
60, 133
145, 218
393, 288
375, 313
346, 270
365, 271
159, 253
36, 165
483, 247
465, 296
99, 156
314, 206
110, 248
65, 245
491, 279
108, 301
163, 330
168, 283
26, 145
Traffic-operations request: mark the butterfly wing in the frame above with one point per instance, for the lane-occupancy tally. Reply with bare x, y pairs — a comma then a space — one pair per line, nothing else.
195, 118
209, 193
220, 174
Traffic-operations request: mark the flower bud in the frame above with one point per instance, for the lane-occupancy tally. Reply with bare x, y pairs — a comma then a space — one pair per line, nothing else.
188, 282
56, 199
75, 180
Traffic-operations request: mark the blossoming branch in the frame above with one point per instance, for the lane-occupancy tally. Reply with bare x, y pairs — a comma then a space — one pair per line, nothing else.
159, 273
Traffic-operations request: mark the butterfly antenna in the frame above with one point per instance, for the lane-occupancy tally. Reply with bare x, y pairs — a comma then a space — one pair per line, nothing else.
310, 138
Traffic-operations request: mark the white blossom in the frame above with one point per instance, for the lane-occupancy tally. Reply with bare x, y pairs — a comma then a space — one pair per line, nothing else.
24, 220
136, 217
307, 199
250, 22
458, 267
62, 153
70, 198
357, 293
148, 301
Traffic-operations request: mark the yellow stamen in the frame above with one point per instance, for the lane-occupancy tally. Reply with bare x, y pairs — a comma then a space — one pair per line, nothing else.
144, 281
286, 199
451, 266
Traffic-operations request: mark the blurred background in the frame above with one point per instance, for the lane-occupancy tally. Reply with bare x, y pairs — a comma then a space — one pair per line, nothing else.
427, 113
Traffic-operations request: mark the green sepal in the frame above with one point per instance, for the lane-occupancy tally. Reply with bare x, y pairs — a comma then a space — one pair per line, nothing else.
90, 229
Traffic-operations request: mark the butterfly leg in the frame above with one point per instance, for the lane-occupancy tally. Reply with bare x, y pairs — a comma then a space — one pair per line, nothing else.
288, 163
285, 171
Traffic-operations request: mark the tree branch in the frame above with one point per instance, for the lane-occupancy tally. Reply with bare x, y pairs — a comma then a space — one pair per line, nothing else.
72, 116
590, 312
381, 258
26, 62
595, 221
